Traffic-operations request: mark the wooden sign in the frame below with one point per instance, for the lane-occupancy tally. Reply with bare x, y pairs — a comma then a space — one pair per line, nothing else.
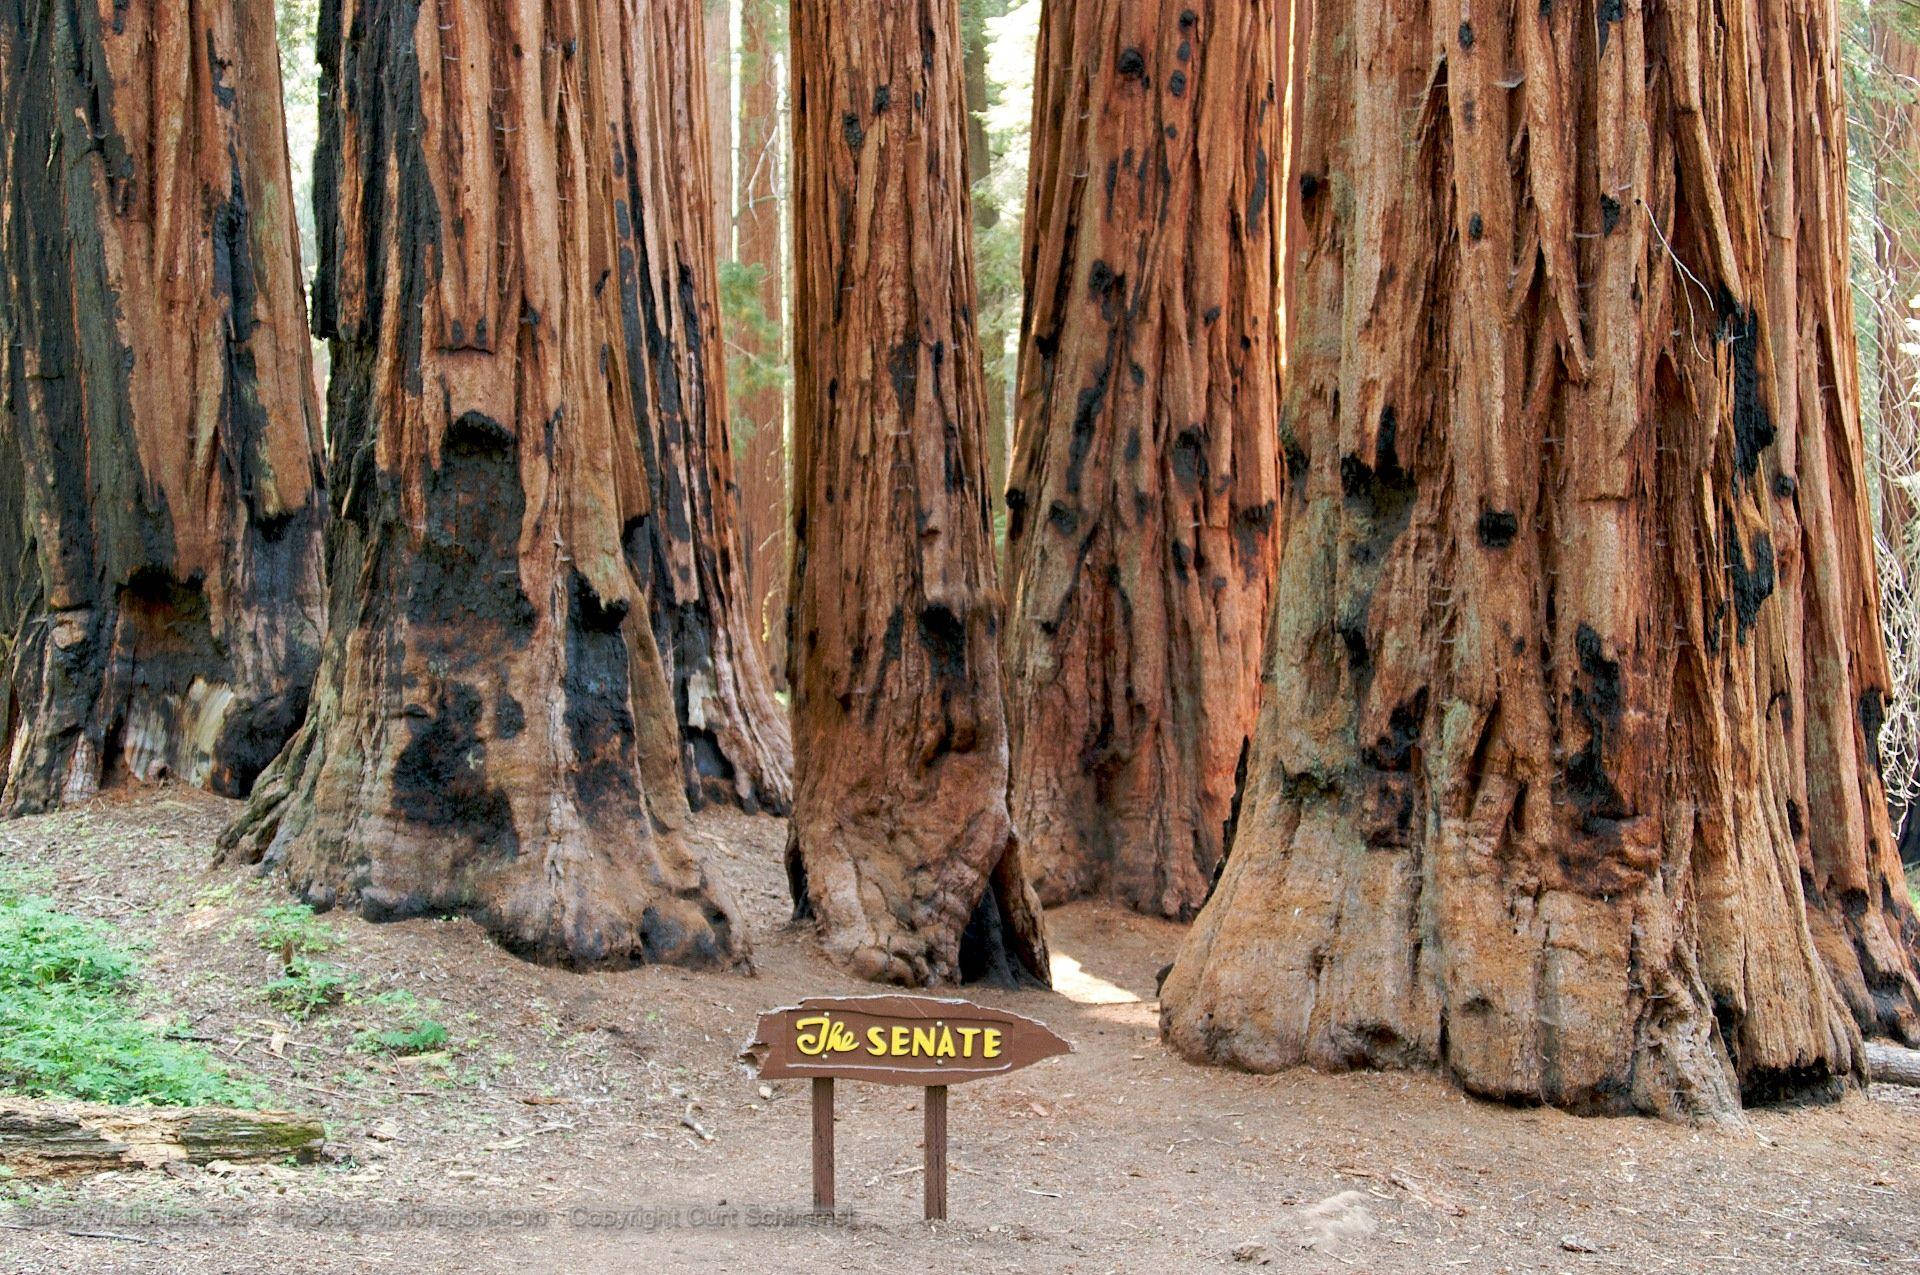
893, 1040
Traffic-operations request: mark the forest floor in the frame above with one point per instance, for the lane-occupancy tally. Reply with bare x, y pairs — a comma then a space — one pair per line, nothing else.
608, 1110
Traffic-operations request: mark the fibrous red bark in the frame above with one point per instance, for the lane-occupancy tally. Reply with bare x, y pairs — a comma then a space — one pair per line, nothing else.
492, 732
734, 734
1147, 467
160, 486
1565, 779
900, 842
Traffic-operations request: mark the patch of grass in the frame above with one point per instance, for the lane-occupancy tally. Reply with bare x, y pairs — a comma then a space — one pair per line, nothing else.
1913, 884
67, 1026
293, 930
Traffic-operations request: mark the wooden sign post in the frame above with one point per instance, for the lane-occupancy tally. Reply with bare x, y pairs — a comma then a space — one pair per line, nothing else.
893, 1040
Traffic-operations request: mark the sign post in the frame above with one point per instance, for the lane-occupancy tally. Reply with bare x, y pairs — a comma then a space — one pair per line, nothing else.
823, 1144
893, 1040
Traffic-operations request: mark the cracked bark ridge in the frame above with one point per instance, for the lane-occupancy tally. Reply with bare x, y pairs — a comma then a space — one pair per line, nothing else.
735, 739
1147, 470
160, 483
492, 731
1565, 780
900, 845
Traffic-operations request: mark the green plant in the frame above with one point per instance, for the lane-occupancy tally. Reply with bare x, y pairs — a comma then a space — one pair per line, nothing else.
67, 1027
307, 987
423, 1037
292, 929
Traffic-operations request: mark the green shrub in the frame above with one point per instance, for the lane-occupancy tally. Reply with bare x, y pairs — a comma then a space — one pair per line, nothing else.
67, 1027
307, 987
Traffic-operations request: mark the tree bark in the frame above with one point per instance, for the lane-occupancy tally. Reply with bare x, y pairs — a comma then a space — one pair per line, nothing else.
762, 181
734, 734
1565, 777
900, 843
492, 732
160, 477
716, 38
1140, 531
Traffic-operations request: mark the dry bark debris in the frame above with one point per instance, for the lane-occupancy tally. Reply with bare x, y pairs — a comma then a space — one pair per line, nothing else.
51, 1139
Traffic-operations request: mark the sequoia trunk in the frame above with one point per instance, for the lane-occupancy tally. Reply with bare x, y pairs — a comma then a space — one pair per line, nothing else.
763, 400
1140, 528
1565, 776
734, 733
491, 731
900, 842
160, 596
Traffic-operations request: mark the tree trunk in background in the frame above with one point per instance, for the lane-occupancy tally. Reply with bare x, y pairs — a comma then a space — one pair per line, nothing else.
716, 36
491, 730
900, 842
737, 743
1140, 531
973, 35
1565, 776
160, 594
763, 481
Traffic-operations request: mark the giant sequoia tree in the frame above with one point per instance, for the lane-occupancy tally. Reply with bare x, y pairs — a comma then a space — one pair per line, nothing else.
734, 733
1146, 473
900, 843
1565, 780
491, 729
160, 486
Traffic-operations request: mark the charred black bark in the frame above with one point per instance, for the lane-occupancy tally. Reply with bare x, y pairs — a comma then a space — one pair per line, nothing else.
159, 581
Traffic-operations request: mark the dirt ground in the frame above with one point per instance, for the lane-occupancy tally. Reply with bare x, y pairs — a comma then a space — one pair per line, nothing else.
600, 1122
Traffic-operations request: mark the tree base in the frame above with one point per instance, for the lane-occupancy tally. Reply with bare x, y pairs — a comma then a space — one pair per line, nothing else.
873, 924
550, 881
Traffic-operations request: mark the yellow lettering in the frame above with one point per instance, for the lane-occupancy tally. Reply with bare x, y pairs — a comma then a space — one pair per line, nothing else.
966, 1041
820, 1035
990, 1043
899, 1041
877, 1041
922, 1041
946, 1042
810, 1035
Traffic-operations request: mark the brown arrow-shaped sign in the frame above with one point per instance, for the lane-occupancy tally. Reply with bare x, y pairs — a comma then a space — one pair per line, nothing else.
896, 1040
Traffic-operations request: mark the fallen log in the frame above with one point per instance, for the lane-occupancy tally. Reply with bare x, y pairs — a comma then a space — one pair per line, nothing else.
1893, 1065
50, 1139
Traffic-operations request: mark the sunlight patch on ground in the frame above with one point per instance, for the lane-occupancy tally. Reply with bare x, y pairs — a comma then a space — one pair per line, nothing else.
1074, 983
